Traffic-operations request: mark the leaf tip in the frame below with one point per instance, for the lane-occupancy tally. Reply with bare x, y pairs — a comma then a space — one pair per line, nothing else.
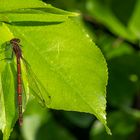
108, 130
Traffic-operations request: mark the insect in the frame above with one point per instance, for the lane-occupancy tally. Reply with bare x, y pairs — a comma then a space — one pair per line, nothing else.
34, 84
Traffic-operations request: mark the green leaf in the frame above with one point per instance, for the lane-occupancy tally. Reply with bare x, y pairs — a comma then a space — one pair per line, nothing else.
40, 15
123, 10
102, 12
67, 63
134, 23
72, 68
33, 6
8, 113
113, 47
5, 34
17, 4
17, 18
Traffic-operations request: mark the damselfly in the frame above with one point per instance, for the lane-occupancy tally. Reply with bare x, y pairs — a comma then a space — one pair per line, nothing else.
35, 85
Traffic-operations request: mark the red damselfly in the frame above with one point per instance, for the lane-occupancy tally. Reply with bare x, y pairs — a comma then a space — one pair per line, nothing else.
35, 85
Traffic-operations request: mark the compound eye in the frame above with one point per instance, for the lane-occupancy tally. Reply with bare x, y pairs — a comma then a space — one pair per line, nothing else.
15, 40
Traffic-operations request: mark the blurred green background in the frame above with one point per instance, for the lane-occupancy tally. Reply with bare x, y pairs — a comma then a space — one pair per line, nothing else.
114, 25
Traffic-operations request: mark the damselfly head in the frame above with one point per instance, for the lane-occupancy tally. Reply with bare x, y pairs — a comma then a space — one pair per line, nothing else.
15, 40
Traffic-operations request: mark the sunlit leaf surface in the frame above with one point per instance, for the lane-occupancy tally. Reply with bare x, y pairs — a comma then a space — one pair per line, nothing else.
67, 63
